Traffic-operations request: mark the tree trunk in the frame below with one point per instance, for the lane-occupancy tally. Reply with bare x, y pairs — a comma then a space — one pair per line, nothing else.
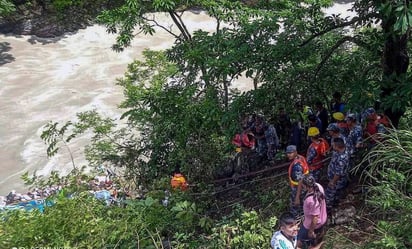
226, 94
395, 62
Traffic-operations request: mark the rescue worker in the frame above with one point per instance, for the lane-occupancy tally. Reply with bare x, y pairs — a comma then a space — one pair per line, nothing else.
375, 124
246, 138
334, 132
340, 121
323, 115
355, 137
316, 152
337, 173
178, 181
337, 105
272, 141
258, 130
297, 136
297, 169
314, 121
283, 127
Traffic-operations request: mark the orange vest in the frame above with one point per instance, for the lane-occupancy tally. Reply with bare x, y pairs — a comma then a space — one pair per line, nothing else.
298, 160
179, 181
321, 149
244, 139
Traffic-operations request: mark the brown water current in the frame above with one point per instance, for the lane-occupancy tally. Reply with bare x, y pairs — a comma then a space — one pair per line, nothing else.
44, 80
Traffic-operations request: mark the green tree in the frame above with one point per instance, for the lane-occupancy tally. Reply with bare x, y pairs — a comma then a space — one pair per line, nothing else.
381, 29
387, 175
309, 49
6, 8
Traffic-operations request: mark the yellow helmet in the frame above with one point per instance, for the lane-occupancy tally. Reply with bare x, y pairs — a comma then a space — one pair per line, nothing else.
313, 131
338, 116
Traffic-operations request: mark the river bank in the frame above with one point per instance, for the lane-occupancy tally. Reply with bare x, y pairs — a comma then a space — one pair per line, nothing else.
53, 79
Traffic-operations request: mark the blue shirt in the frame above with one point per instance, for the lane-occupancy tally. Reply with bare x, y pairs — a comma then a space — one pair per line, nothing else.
311, 154
339, 164
354, 138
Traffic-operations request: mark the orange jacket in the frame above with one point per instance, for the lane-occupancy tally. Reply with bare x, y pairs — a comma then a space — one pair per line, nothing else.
179, 181
321, 148
305, 168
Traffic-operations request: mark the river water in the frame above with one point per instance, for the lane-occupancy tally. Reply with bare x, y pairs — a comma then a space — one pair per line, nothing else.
44, 80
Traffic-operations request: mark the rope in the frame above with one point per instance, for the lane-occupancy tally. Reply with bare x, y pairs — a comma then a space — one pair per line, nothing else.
252, 173
279, 166
264, 170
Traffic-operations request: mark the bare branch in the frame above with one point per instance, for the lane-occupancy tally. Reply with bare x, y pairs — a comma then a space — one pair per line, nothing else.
168, 30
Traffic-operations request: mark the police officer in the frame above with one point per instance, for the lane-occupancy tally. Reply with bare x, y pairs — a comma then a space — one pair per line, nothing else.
337, 172
297, 169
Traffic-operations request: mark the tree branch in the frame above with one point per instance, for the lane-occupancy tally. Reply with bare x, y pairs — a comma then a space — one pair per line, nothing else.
179, 23
332, 49
183, 25
168, 30
340, 25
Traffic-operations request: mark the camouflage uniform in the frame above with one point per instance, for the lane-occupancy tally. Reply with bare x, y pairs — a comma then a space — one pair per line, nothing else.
283, 128
338, 166
272, 142
355, 136
339, 136
297, 169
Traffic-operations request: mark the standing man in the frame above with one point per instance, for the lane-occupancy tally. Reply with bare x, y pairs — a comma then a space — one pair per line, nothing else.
314, 121
258, 130
355, 137
297, 169
283, 127
316, 152
323, 115
334, 132
272, 141
337, 172
374, 126
286, 236
341, 123
337, 104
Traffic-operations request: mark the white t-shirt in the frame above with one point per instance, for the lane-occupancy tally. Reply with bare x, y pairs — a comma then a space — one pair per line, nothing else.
279, 241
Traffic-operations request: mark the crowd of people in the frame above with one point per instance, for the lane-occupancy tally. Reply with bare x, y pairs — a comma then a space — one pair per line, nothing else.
321, 146
343, 137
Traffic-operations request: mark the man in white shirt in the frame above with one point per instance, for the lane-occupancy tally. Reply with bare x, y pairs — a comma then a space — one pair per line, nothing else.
286, 237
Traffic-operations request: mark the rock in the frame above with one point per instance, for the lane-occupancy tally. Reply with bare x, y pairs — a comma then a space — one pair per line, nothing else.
7, 27
42, 20
343, 216
26, 27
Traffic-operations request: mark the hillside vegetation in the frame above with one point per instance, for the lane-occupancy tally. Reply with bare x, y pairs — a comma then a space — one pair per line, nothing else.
180, 110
